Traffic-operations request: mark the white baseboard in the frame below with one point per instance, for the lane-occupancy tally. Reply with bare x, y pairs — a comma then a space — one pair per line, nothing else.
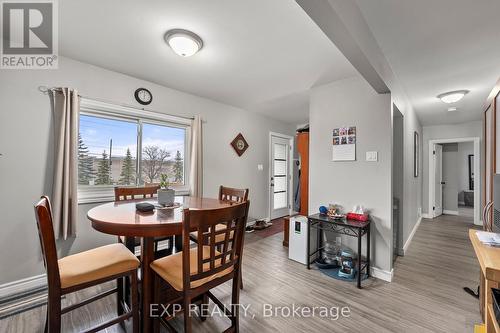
410, 237
450, 212
22, 286
381, 274
427, 216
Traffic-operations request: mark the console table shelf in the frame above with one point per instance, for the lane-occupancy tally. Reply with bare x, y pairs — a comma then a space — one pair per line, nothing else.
351, 228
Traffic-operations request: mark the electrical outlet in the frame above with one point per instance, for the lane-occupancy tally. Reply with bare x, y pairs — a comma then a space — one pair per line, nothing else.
260, 167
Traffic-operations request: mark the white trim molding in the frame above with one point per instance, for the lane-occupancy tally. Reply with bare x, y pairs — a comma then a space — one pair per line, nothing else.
450, 212
381, 274
22, 286
410, 237
477, 175
426, 216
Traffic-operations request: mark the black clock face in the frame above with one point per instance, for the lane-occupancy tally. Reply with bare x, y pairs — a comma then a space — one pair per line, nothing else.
143, 96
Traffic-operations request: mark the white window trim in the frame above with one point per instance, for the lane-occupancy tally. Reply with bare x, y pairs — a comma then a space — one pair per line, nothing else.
99, 194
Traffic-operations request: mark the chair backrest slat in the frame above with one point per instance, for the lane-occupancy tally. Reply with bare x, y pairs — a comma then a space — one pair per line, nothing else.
233, 194
128, 193
222, 254
43, 214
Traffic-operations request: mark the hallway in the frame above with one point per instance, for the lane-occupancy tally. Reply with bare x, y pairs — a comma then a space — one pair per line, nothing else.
439, 263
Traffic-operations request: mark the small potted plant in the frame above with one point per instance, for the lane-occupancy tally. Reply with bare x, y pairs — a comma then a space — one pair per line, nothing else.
166, 195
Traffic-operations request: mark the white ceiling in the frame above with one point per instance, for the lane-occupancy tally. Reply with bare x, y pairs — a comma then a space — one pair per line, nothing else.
439, 46
257, 54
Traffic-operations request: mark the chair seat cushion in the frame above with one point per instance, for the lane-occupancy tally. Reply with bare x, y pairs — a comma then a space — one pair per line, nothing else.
170, 268
96, 264
218, 238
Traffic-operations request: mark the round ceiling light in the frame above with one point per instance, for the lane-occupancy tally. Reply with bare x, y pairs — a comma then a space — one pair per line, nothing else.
183, 42
453, 96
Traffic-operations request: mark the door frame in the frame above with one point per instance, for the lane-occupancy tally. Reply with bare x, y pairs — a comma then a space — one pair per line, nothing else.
434, 213
290, 172
477, 175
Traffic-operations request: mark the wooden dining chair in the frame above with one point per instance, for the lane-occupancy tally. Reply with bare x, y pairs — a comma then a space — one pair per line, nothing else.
83, 270
228, 194
193, 272
144, 192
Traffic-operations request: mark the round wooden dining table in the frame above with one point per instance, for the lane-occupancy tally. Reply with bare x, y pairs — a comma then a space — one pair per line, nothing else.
120, 218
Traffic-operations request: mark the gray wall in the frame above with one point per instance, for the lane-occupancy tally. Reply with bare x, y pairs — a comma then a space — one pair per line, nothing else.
470, 129
25, 142
450, 177
352, 102
343, 22
398, 177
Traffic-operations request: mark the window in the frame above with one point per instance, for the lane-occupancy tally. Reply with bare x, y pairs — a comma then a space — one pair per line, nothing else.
122, 146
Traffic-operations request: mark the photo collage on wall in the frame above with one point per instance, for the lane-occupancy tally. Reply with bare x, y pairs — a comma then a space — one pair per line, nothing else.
344, 136
344, 144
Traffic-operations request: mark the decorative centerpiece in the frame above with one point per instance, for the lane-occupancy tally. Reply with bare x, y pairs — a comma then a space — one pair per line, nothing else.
166, 196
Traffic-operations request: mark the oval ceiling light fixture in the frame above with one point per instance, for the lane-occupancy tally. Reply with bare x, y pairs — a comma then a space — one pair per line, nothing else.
183, 42
453, 96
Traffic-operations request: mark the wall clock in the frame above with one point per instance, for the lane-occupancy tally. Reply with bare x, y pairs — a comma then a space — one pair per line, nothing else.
143, 96
239, 144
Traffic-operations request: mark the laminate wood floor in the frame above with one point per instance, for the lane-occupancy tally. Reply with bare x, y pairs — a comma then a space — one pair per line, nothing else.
425, 296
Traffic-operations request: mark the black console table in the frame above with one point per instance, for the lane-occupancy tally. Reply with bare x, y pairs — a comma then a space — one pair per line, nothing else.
352, 228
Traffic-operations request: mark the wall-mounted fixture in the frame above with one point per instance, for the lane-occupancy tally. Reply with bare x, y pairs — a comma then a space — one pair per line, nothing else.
183, 42
452, 109
453, 96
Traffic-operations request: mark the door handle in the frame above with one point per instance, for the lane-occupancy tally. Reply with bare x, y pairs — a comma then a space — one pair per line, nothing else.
443, 183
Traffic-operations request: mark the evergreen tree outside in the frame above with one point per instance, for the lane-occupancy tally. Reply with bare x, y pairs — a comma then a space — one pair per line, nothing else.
127, 175
178, 168
85, 163
103, 171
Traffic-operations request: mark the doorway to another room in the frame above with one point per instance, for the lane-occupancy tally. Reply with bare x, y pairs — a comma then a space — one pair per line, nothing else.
454, 178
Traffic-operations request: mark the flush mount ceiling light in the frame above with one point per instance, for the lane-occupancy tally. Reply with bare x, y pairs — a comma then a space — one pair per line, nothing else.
183, 42
452, 96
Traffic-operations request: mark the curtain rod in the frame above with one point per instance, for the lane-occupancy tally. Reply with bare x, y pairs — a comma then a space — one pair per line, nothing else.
45, 90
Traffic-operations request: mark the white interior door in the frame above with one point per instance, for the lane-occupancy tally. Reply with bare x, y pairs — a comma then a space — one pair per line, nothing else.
438, 180
280, 177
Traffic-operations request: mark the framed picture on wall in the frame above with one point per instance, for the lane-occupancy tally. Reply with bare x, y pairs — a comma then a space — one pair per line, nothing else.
415, 154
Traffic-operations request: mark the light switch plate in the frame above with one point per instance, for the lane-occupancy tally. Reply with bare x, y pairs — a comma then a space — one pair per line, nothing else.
260, 167
371, 156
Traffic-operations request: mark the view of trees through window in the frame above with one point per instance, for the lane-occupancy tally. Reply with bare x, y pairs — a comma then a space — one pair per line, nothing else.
107, 152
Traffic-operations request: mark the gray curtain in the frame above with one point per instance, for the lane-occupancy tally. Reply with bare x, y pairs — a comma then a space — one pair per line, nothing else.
196, 170
65, 108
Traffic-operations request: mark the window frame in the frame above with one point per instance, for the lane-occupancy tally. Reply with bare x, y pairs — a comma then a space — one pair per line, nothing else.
89, 107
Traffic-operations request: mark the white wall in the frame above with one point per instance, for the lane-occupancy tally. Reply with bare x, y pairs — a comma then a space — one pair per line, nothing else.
470, 129
25, 142
353, 102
